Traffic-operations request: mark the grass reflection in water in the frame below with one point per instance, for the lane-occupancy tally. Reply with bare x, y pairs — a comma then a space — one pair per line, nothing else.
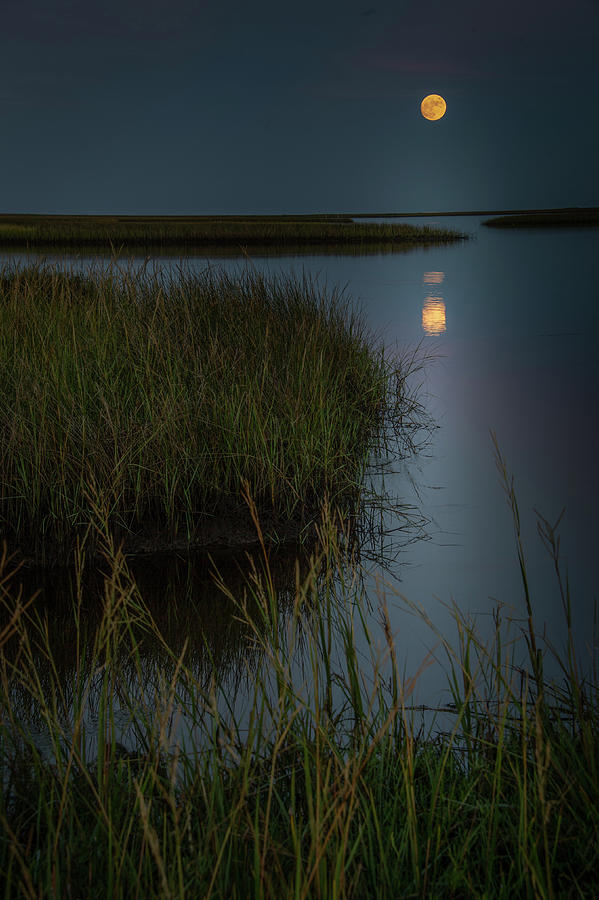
327, 782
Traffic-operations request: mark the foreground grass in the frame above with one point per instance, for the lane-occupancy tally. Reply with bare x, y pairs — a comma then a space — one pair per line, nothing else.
324, 785
166, 397
549, 218
187, 232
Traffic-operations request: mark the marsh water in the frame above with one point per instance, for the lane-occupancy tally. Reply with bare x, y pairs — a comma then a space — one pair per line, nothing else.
509, 320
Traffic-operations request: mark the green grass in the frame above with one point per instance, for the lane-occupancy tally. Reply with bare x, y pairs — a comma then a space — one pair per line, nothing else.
328, 784
166, 398
142, 407
188, 232
548, 218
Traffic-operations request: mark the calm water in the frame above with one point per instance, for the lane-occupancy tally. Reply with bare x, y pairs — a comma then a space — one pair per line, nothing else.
511, 319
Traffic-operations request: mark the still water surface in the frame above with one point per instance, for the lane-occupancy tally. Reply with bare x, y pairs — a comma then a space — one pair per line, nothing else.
511, 319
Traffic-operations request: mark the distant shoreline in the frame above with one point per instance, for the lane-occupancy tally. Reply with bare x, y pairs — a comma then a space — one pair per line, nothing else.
345, 232
305, 217
479, 212
579, 217
194, 232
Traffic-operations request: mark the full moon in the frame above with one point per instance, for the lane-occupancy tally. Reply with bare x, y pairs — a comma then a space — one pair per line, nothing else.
433, 107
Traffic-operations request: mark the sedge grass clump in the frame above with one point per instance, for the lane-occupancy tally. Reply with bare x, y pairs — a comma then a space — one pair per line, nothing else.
162, 397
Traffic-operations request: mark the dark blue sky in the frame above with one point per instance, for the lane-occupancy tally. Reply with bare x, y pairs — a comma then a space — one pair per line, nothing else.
176, 106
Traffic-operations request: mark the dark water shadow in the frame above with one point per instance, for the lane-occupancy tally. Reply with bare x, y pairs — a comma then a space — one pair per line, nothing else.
65, 649
145, 255
179, 593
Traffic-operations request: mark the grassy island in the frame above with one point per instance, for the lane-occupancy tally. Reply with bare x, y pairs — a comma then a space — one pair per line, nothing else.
157, 401
194, 232
574, 217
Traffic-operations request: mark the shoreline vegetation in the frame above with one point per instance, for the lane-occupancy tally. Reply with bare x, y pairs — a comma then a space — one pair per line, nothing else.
156, 402
189, 232
566, 210
574, 217
329, 782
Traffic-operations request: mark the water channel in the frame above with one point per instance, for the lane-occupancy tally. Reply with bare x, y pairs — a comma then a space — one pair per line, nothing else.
510, 320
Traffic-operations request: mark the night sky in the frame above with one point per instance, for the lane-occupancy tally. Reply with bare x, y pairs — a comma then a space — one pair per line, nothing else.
184, 106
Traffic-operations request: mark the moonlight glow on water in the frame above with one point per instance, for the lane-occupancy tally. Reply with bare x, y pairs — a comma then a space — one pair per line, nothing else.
434, 313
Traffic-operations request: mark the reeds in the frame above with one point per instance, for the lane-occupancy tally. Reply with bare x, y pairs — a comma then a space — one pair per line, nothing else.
166, 396
187, 232
326, 783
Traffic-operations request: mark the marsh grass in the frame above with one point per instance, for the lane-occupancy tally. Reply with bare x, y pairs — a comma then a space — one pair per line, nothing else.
326, 783
547, 218
119, 232
165, 397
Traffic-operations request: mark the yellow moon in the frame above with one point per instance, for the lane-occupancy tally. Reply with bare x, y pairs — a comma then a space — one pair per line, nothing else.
433, 107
